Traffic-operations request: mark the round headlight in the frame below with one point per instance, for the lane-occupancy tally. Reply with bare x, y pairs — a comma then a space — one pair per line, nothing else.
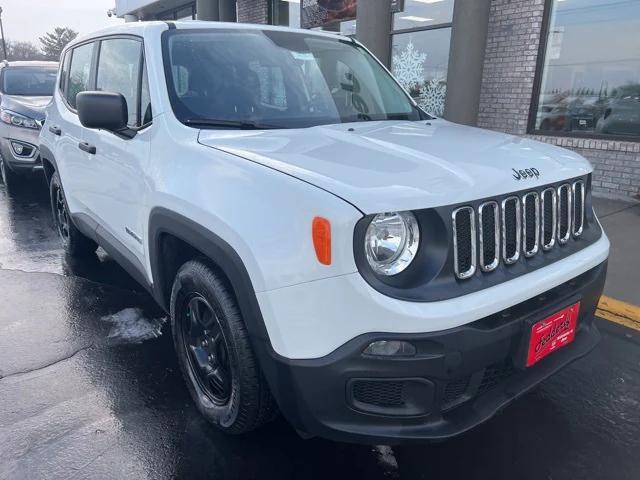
391, 242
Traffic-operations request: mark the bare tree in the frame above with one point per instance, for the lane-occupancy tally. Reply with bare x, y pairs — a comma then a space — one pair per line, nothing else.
24, 51
54, 42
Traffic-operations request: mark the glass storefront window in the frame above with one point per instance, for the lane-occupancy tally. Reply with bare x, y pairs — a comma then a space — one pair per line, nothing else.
186, 13
286, 13
590, 81
420, 61
423, 13
348, 28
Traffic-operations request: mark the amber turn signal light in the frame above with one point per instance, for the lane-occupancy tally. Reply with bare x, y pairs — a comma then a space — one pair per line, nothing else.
321, 233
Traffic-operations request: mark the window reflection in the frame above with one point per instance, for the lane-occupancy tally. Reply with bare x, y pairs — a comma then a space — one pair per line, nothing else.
591, 75
423, 13
286, 13
186, 14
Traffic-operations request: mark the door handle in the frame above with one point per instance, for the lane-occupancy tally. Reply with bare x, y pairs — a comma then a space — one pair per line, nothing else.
55, 130
86, 147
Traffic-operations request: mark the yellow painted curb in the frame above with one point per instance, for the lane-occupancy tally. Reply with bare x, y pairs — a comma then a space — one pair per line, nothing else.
619, 312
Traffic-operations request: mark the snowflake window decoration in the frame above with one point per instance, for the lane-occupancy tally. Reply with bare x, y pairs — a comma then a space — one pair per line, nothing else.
408, 68
433, 96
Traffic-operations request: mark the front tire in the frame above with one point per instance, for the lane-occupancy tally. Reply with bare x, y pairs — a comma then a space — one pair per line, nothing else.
74, 243
9, 177
214, 353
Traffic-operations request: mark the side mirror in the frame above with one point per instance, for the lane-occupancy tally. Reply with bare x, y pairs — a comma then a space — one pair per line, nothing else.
102, 110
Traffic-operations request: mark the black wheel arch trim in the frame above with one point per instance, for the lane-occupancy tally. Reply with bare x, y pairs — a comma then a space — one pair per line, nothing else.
164, 221
47, 155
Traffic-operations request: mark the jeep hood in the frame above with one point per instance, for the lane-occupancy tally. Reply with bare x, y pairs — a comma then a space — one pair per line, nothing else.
399, 165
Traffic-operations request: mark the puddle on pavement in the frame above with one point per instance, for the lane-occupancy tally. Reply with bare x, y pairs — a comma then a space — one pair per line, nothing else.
131, 326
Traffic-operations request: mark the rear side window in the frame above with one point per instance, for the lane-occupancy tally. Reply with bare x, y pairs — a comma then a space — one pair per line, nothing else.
119, 71
79, 72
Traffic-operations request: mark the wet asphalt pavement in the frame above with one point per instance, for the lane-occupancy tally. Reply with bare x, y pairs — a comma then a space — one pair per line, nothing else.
84, 394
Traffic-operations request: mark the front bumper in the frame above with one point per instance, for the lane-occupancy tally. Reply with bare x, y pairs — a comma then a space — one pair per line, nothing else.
29, 139
460, 377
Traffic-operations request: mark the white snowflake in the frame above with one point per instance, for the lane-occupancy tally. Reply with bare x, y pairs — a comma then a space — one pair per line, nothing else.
408, 67
432, 96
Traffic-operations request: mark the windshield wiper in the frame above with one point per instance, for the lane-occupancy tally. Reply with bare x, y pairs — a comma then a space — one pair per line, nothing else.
240, 124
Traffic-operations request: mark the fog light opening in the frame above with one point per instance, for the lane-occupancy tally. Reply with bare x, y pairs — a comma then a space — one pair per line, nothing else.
390, 348
22, 150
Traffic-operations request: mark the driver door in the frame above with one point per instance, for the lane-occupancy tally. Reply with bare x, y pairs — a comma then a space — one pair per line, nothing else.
118, 186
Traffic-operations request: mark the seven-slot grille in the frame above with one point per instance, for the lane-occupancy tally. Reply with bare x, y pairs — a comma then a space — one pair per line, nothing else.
518, 226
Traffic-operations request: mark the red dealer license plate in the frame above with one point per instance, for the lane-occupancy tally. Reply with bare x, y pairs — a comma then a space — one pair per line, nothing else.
552, 333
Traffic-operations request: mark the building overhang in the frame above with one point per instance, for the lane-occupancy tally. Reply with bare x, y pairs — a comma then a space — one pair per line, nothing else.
146, 9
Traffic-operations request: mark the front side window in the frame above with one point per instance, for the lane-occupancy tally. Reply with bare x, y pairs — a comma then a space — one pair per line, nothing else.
278, 79
590, 79
29, 81
119, 71
79, 72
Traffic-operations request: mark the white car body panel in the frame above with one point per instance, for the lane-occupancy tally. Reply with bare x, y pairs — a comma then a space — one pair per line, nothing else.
339, 309
264, 215
396, 165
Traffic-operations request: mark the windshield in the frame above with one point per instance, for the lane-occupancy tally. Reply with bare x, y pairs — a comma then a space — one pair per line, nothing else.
273, 79
29, 81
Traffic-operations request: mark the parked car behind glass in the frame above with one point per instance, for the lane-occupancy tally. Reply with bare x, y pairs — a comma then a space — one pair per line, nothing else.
25, 89
622, 115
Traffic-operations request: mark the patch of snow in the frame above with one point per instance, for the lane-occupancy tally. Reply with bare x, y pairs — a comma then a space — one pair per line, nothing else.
386, 457
131, 326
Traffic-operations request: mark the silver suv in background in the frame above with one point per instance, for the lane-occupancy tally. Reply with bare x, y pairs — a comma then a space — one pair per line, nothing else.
25, 90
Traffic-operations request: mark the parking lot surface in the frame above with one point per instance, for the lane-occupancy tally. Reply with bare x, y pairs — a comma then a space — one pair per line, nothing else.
90, 388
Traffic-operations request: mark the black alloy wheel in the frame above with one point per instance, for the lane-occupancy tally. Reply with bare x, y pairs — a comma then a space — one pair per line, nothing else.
62, 215
214, 352
74, 242
208, 353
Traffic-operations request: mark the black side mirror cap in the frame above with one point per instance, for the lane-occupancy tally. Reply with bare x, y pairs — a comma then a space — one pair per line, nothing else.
102, 110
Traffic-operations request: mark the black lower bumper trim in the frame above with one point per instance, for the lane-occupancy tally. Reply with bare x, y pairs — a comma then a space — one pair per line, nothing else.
458, 379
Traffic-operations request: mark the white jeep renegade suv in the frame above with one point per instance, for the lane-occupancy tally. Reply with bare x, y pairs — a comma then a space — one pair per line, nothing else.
323, 246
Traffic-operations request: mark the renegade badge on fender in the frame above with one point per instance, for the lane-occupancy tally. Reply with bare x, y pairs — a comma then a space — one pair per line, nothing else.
325, 248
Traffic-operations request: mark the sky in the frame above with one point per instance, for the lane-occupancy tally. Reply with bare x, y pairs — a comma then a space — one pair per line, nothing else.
30, 19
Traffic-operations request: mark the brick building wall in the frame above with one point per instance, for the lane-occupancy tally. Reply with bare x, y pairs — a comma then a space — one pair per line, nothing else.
253, 11
513, 43
513, 40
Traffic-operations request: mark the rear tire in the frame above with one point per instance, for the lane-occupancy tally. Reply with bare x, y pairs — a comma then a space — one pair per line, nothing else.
74, 242
214, 353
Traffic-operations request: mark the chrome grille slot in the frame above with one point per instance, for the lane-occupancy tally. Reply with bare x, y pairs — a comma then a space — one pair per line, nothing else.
511, 230
549, 209
564, 213
489, 223
519, 226
530, 223
578, 207
464, 242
